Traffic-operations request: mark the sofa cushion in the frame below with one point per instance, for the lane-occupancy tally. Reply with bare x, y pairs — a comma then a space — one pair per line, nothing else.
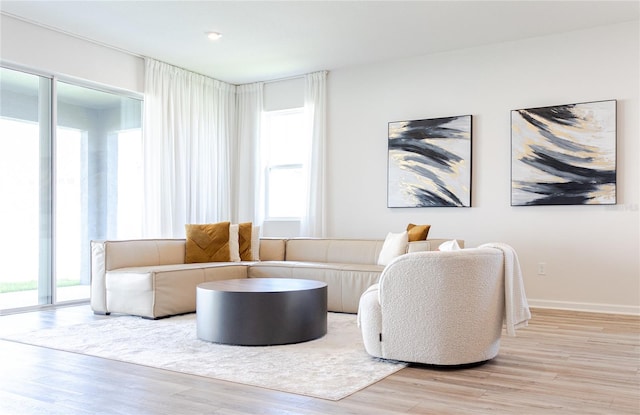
178, 267
207, 243
163, 290
345, 281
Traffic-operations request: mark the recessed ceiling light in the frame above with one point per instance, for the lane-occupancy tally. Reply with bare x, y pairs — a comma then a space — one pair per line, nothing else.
214, 35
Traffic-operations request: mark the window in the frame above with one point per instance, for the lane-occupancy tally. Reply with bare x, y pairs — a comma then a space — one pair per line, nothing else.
68, 185
285, 152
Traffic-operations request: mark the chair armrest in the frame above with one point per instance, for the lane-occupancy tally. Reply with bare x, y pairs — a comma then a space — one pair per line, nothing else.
370, 320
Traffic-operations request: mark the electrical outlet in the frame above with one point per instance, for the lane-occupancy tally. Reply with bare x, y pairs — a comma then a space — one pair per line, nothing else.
542, 268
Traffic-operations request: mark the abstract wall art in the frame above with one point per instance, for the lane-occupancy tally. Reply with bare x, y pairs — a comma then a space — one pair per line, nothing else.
564, 155
430, 163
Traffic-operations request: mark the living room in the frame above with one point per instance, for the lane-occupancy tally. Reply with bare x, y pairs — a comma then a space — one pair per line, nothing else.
484, 81
581, 258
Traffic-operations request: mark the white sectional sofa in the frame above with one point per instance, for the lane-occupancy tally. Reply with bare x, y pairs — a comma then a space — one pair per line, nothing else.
149, 278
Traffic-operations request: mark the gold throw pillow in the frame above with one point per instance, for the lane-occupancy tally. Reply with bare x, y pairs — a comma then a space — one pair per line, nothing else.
244, 241
418, 232
207, 243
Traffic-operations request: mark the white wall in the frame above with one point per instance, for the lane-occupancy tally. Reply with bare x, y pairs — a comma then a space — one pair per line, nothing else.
55, 53
591, 252
284, 94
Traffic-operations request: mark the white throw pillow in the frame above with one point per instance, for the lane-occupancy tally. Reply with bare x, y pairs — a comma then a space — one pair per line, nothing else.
449, 246
395, 244
234, 244
255, 243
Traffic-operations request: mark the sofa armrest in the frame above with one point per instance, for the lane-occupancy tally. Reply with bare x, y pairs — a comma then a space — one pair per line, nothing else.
143, 252
98, 271
110, 255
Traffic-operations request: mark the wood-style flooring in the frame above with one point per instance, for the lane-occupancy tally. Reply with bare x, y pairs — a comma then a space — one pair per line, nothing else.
564, 362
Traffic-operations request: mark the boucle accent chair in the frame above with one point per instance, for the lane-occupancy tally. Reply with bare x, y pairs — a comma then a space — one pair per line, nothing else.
441, 308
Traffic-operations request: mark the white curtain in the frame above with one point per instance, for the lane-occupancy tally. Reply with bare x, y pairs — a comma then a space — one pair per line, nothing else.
313, 222
189, 120
247, 181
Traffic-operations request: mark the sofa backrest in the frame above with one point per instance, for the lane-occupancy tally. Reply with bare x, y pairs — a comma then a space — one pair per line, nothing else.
148, 252
347, 251
344, 251
272, 249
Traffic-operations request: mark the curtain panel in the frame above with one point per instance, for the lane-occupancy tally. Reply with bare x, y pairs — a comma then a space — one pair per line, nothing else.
247, 183
313, 223
189, 120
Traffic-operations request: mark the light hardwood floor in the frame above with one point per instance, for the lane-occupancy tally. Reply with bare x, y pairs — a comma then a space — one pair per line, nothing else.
562, 363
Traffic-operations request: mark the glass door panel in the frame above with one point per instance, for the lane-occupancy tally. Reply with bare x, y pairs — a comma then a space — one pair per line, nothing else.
98, 179
69, 215
24, 185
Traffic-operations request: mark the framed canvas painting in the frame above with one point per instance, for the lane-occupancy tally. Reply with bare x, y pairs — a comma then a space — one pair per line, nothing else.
429, 163
564, 155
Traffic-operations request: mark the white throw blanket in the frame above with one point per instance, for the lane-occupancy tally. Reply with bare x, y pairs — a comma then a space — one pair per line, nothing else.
516, 307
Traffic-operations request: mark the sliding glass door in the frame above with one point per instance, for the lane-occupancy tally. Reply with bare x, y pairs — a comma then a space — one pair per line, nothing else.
67, 185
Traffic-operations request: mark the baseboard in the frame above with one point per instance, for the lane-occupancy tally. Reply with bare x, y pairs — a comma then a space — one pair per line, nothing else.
590, 307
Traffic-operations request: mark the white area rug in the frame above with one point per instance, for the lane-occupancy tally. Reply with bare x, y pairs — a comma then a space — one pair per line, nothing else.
332, 367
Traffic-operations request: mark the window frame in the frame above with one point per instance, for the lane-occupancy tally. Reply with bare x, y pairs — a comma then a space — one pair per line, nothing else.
270, 167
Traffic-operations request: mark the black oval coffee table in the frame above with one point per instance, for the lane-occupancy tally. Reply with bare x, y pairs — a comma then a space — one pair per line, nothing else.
261, 311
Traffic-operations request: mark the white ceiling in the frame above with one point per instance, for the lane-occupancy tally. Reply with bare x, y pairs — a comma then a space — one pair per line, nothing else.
276, 39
